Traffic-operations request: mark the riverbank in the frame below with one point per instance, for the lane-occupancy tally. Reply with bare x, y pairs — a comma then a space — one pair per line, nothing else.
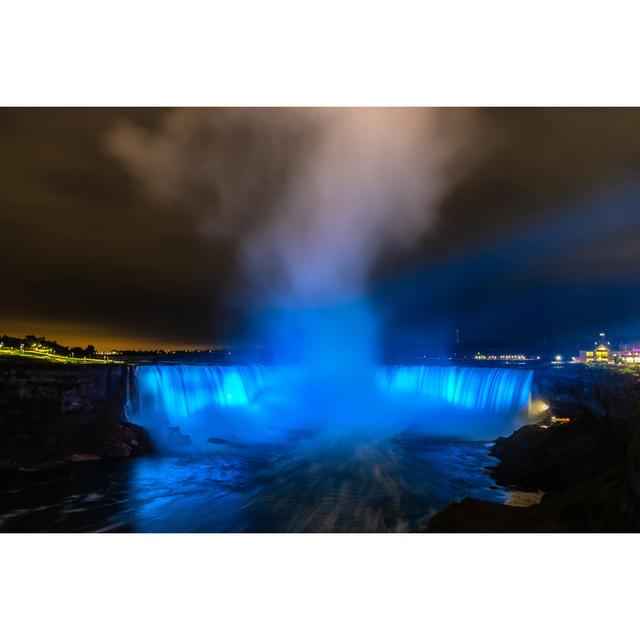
584, 456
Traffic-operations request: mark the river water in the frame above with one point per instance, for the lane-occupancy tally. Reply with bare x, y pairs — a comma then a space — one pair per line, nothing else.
387, 486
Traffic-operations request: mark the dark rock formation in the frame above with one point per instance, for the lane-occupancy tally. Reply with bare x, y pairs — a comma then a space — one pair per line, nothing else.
609, 395
559, 457
589, 468
51, 414
479, 516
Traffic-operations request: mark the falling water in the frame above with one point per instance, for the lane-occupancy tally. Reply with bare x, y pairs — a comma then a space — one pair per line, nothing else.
247, 401
182, 390
483, 389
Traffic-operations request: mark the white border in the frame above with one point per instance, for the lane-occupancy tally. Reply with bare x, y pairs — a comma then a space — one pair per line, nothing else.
318, 53
334, 52
319, 586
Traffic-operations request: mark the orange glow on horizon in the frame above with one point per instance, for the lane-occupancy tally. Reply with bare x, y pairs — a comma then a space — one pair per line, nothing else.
70, 335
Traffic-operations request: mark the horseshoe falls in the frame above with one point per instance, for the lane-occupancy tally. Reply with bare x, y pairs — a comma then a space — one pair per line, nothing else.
263, 402
493, 389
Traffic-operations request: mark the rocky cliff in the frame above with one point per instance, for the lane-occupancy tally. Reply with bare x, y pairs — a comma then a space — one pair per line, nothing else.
589, 467
52, 413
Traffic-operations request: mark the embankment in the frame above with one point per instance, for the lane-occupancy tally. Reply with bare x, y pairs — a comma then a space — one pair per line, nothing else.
50, 414
588, 467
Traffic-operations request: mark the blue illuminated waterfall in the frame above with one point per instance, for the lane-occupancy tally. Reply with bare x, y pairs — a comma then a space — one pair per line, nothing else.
181, 390
483, 389
243, 400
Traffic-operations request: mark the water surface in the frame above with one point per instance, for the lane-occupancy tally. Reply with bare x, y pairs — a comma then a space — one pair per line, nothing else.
294, 487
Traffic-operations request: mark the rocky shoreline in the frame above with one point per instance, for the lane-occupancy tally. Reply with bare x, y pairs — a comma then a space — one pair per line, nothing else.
588, 467
58, 414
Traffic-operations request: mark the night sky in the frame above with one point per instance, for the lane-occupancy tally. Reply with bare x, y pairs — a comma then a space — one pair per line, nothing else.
537, 236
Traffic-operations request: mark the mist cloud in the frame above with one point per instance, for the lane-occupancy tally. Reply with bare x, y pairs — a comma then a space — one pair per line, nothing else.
224, 165
312, 197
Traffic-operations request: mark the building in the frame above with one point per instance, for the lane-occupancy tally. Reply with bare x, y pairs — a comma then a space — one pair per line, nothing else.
627, 353
600, 354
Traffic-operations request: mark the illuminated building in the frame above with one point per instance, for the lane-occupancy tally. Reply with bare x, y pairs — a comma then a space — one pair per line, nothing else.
628, 353
600, 354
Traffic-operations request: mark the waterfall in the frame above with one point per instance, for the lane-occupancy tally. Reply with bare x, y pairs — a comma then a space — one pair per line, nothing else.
178, 391
241, 397
483, 389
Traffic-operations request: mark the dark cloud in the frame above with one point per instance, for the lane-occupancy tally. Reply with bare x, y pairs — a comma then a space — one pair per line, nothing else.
105, 245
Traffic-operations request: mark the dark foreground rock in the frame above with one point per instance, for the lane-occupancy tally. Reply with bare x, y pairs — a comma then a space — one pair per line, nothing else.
73, 440
558, 457
55, 414
479, 516
588, 468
